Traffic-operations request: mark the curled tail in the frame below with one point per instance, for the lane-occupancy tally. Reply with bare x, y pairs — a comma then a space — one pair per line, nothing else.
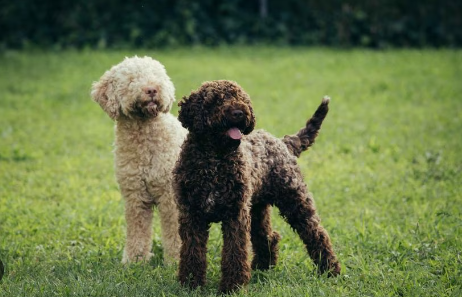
305, 137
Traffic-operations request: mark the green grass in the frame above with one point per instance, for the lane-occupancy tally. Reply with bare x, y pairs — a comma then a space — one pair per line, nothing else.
386, 171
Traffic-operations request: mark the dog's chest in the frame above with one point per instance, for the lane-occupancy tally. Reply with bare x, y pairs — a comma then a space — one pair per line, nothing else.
144, 158
221, 199
211, 201
216, 185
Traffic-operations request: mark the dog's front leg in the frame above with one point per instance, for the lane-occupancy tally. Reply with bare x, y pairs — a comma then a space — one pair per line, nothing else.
138, 216
194, 234
235, 267
171, 241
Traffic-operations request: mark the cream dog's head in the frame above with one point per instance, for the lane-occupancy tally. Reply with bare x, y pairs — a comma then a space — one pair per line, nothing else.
137, 88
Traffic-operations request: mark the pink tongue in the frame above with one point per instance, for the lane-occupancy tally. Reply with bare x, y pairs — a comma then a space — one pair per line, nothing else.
234, 133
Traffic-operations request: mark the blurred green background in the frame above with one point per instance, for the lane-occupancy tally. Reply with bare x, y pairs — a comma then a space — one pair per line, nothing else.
122, 23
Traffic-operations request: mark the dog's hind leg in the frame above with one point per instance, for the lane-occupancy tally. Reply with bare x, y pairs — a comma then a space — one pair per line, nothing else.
298, 210
264, 240
138, 215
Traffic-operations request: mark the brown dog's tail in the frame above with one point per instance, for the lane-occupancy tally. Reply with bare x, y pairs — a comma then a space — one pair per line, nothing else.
301, 141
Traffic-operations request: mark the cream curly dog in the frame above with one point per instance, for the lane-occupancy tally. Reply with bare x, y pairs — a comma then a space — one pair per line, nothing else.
138, 95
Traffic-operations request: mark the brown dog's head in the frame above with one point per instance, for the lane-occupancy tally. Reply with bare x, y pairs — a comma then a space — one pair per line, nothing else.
219, 110
136, 88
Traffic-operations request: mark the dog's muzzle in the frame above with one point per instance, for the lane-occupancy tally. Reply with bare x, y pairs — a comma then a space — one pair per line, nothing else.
235, 118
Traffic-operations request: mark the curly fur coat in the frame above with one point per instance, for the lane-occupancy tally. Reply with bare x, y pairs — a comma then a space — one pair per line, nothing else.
138, 95
227, 173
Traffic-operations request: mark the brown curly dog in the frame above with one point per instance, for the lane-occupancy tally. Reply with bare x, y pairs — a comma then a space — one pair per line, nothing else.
227, 174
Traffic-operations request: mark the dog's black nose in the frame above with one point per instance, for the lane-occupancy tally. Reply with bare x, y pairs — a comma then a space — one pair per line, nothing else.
237, 114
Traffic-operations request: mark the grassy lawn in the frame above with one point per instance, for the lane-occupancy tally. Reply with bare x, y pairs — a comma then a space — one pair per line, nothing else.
386, 171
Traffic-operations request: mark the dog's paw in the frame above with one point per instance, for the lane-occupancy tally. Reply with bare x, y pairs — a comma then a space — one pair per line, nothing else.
136, 258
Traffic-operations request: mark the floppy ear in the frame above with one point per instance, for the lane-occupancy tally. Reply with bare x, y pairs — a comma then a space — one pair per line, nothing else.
169, 91
103, 94
190, 113
252, 121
